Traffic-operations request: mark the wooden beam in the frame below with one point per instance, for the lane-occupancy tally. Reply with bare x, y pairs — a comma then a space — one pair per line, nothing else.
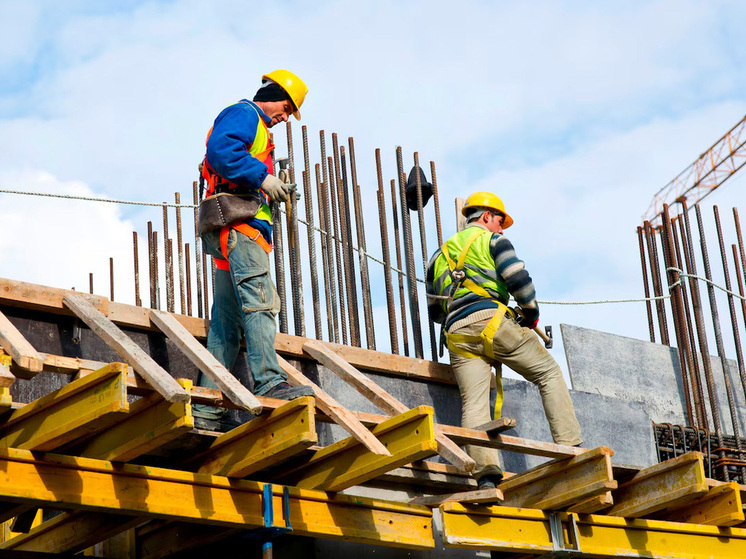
668, 484
22, 352
341, 416
433, 475
408, 436
476, 497
75, 483
151, 423
71, 532
262, 442
77, 409
561, 483
385, 401
206, 361
497, 425
594, 504
720, 506
127, 349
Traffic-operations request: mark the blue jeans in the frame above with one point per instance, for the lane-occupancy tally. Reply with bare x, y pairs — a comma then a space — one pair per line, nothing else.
245, 300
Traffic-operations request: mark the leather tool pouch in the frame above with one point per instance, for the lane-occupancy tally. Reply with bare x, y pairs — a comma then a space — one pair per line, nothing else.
219, 210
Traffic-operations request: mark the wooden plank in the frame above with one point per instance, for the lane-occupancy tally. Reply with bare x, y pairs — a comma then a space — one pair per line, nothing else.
475, 497
126, 348
561, 483
262, 442
409, 436
71, 532
75, 483
497, 425
77, 409
668, 484
720, 506
594, 504
151, 423
385, 401
206, 361
22, 352
341, 416
432, 475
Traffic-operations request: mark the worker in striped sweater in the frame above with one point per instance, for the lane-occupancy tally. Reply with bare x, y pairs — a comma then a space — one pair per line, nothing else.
469, 282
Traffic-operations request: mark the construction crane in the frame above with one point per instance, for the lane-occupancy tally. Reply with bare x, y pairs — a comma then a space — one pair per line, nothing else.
709, 171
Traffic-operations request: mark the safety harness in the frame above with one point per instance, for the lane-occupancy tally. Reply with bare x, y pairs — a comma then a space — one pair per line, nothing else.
217, 184
459, 278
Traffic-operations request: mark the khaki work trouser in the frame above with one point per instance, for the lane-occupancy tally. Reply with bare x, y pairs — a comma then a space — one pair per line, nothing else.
522, 351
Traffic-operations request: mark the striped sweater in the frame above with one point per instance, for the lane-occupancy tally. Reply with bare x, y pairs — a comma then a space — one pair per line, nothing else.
471, 307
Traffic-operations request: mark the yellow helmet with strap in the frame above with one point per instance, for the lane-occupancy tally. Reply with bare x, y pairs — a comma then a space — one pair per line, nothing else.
293, 86
488, 201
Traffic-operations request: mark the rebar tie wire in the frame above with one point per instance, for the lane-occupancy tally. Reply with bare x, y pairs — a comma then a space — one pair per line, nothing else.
681, 273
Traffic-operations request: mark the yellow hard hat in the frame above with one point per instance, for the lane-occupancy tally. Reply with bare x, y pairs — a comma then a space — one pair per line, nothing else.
293, 86
489, 201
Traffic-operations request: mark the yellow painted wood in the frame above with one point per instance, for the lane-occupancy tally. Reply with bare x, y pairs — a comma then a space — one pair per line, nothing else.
665, 485
22, 352
151, 422
7, 526
409, 436
69, 482
79, 408
720, 506
263, 441
71, 532
514, 530
561, 483
6, 377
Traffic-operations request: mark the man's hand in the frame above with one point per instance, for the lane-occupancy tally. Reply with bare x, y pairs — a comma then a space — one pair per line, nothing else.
528, 317
275, 188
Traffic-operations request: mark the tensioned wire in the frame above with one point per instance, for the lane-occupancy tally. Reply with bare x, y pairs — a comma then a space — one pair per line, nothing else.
681, 273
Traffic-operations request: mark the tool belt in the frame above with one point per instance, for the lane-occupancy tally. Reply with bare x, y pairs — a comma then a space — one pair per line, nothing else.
223, 209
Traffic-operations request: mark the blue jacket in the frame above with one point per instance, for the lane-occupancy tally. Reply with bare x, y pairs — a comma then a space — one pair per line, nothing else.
233, 132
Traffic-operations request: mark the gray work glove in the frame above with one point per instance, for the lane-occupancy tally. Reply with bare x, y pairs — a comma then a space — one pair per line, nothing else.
275, 188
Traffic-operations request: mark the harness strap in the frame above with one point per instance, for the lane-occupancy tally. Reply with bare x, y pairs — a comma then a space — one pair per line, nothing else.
251, 232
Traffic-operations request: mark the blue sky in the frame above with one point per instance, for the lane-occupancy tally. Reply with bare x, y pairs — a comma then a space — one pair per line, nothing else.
576, 113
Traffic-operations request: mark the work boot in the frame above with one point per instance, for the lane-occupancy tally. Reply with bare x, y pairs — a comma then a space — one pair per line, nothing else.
490, 481
221, 425
284, 391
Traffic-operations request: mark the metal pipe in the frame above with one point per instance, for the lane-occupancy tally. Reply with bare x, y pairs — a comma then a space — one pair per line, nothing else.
648, 306
657, 283
423, 247
694, 374
111, 278
138, 301
188, 280
674, 286
328, 240
414, 306
311, 236
386, 258
395, 214
333, 190
291, 205
370, 333
716, 325
197, 249
350, 261
180, 251
151, 273
437, 203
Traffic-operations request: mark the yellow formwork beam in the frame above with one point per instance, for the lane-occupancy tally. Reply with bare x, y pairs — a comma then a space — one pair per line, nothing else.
263, 441
84, 406
720, 506
514, 530
70, 482
151, 422
408, 437
6, 380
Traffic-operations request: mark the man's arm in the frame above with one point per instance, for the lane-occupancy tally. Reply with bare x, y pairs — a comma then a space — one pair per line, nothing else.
233, 132
434, 307
513, 272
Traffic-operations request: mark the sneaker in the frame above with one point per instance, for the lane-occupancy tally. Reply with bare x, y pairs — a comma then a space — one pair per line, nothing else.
284, 391
489, 481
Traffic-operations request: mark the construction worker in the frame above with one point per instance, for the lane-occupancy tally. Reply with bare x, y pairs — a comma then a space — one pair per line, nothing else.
239, 162
469, 280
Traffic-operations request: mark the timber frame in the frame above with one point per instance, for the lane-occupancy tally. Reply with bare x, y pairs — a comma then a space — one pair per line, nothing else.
115, 463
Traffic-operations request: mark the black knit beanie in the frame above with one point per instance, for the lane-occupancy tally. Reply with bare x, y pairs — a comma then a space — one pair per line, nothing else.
270, 91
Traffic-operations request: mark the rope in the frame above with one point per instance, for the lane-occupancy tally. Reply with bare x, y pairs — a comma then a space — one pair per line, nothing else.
683, 274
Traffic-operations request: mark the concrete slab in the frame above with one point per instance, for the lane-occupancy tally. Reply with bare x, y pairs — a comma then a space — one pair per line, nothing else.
641, 371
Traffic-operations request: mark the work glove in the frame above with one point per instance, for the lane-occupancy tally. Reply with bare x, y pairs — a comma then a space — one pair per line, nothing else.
275, 188
528, 317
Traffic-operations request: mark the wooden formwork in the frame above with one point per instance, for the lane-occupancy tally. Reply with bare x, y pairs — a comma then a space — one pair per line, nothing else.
113, 456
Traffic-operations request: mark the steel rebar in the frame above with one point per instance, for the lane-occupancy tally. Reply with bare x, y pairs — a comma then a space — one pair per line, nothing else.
648, 306
279, 266
180, 252
90, 283
436, 202
403, 303
329, 243
197, 249
350, 269
657, 282
168, 262
188, 263
155, 271
206, 294
325, 268
393, 328
311, 236
111, 279
423, 248
291, 205
138, 301
333, 190
370, 332
151, 273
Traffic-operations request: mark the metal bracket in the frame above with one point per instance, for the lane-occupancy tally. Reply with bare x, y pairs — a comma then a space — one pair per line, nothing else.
557, 534
268, 532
